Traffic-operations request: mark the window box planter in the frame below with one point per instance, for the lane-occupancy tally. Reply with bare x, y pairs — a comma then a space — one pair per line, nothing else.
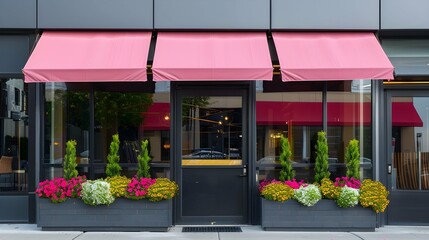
324, 216
122, 215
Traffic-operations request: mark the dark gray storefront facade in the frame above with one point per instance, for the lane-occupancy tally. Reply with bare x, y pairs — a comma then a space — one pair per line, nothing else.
395, 148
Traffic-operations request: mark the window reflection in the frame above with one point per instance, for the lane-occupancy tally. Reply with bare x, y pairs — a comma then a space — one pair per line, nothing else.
297, 113
349, 117
134, 116
13, 136
410, 134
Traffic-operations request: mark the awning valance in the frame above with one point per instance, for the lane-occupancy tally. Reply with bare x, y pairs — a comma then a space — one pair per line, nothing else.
206, 56
313, 56
89, 57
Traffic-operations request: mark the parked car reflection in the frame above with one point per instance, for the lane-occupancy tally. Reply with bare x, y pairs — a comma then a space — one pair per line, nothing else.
205, 154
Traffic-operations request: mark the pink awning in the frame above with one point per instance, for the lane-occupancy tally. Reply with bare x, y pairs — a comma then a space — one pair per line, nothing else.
89, 57
325, 56
205, 56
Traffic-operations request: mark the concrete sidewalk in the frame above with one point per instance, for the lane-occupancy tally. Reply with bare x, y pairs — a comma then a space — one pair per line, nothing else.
31, 232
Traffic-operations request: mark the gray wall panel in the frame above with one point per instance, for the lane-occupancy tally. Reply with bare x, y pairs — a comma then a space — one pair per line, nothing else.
96, 14
404, 14
14, 52
17, 13
409, 57
14, 208
326, 14
209, 14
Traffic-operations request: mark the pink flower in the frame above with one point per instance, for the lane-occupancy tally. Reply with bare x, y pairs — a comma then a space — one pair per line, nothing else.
59, 189
137, 188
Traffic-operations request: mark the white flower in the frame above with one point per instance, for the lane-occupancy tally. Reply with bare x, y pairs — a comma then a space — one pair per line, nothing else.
96, 192
308, 195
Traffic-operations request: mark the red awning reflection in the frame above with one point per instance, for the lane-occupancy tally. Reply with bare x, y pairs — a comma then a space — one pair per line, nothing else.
301, 114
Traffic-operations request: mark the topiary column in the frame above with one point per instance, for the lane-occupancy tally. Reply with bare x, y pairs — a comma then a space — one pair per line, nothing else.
144, 159
287, 172
353, 159
113, 168
70, 164
322, 164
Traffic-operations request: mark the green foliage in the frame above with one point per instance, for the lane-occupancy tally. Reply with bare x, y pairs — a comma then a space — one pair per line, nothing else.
287, 172
112, 108
329, 190
322, 164
144, 159
189, 106
349, 197
162, 189
277, 191
96, 192
70, 164
113, 168
353, 159
373, 194
308, 195
118, 185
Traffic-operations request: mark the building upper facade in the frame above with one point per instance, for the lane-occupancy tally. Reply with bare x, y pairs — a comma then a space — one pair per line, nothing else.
373, 15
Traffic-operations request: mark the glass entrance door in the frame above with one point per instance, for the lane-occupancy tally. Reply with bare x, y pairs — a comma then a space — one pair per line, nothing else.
213, 165
408, 169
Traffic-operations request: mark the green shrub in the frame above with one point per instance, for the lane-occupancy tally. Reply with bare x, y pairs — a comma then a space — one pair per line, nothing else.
162, 189
118, 185
70, 164
353, 159
287, 172
277, 191
308, 195
96, 192
322, 164
113, 168
349, 197
144, 159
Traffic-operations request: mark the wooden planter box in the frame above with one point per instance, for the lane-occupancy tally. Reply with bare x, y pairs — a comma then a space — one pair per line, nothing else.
324, 216
122, 215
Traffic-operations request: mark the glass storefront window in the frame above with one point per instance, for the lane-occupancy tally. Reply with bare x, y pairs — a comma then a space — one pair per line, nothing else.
13, 136
410, 137
349, 117
135, 116
297, 113
66, 118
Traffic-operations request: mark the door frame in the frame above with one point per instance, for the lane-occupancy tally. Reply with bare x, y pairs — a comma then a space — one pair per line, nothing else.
246, 89
396, 214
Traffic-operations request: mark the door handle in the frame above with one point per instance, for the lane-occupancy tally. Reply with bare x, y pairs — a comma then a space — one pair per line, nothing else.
244, 171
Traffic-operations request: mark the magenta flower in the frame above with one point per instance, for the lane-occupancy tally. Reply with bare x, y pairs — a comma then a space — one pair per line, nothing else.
137, 188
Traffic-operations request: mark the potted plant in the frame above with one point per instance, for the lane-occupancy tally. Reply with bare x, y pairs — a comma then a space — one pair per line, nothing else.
116, 203
343, 205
